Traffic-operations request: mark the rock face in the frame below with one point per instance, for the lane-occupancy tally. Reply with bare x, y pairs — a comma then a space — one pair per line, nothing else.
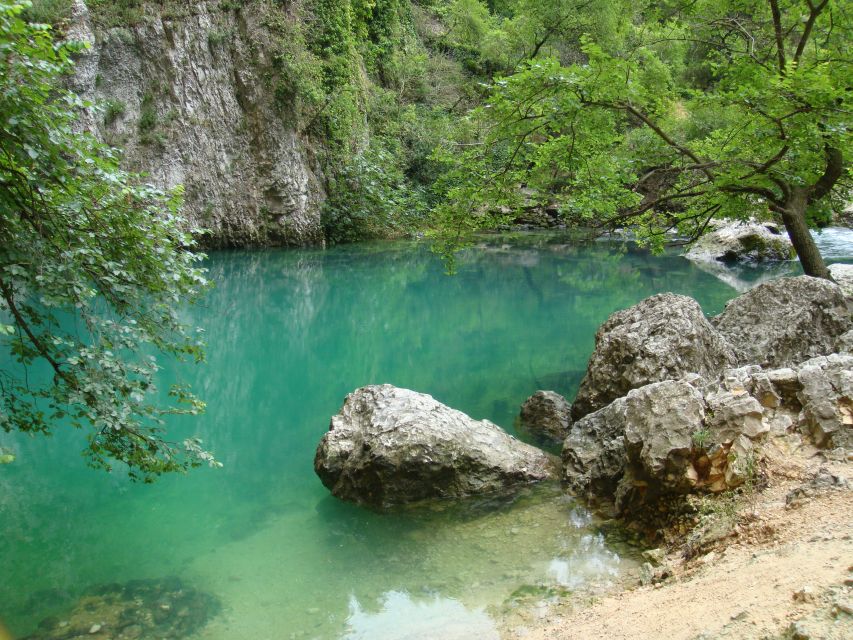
742, 242
681, 436
547, 416
188, 100
785, 322
391, 446
594, 451
682, 418
843, 275
661, 338
826, 397
667, 438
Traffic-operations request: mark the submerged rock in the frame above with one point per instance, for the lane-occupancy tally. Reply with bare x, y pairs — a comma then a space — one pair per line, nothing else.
661, 338
391, 446
786, 321
136, 610
743, 242
547, 416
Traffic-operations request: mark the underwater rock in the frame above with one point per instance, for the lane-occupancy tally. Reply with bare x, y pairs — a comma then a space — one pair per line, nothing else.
391, 446
743, 242
546, 415
660, 338
136, 610
785, 322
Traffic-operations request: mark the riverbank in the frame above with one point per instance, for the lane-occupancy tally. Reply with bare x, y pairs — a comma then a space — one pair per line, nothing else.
783, 571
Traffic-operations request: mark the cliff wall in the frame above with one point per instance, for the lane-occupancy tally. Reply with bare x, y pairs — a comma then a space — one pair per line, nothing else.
188, 98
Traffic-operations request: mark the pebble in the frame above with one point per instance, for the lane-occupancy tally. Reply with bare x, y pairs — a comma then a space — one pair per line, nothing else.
654, 556
844, 605
806, 594
94, 628
797, 631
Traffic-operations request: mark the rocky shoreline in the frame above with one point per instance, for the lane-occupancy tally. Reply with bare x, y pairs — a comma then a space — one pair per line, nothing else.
685, 429
672, 404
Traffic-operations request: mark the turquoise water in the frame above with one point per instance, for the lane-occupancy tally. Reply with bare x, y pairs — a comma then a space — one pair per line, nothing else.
289, 334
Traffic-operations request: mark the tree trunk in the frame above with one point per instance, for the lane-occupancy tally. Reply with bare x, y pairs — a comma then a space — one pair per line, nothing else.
794, 217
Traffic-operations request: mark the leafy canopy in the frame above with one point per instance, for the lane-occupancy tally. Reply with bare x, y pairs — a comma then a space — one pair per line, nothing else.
732, 108
94, 268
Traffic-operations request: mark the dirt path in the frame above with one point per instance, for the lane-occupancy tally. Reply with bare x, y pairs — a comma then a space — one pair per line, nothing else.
787, 574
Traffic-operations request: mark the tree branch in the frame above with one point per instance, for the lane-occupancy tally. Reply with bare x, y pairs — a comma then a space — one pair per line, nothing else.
834, 170
780, 39
765, 193
9, 297
816, 10
666, 138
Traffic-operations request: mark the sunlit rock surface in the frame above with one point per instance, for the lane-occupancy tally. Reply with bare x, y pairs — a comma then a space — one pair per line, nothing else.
390, 446
661, 338
843, 275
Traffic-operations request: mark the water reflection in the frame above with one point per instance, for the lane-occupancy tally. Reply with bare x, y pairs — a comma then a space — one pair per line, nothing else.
400, 617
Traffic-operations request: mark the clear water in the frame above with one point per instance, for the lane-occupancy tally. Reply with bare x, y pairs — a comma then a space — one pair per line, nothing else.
290, 333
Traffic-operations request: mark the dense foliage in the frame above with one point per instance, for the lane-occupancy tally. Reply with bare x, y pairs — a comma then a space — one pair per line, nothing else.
735, 108
94, 268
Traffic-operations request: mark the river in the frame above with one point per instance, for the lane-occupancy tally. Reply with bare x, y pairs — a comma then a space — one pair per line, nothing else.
290, 332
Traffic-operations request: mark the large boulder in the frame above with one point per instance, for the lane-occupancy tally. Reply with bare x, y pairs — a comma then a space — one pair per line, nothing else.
594, 451
681, 436
843, 275
667, 438
391, 446
660, 421
742, 242
661, 338
546, 415
826, 397
786, 321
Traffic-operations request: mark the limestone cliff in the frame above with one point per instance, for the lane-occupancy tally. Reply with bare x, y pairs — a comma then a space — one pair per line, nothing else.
187, 99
